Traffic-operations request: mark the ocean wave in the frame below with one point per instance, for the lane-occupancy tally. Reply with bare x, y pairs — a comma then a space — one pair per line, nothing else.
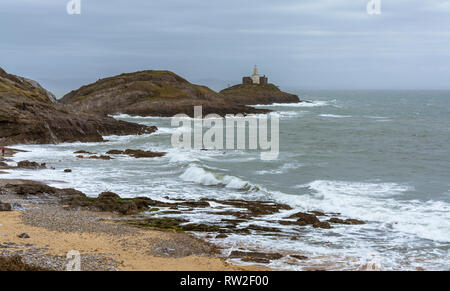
280, 170
375, 202
127, 116
316, 103
199, 175
334, 116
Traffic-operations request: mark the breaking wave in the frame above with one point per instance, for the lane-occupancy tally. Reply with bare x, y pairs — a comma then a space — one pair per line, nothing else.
201, 176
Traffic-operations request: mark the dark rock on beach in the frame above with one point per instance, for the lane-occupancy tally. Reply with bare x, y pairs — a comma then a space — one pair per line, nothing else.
151, 93
305, 218
39, 189
322, 224
15, 263
101, 157
30, 165
23, 235
108, 195
30, 189
4, 165
5, 207
109, 202
136, 153
346, 221
31, 115
257, 257
254, 208
318, 213
115, 152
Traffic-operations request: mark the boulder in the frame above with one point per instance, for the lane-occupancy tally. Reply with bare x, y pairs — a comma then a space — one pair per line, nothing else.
305, 218
108, 195
109, 202
143, 154
5, 207
347, 221
322, 224
30, 165
23, 235
257, 257
30, 189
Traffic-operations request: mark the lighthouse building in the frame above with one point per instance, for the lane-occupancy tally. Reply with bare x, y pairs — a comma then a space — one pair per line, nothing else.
255, 78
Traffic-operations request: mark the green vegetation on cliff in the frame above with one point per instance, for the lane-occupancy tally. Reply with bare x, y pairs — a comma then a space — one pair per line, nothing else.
150, 93
250, 89
31, 115
252, 94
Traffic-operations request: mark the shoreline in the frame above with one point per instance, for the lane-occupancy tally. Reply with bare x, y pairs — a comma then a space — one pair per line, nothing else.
52, 231
191, 249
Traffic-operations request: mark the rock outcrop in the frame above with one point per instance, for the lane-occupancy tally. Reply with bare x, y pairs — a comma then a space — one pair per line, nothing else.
30, 115
30, 165
5, 206
253, 94
151, 93
137, 153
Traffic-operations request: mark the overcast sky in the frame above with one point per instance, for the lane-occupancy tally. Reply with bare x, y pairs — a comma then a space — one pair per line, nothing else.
296, 43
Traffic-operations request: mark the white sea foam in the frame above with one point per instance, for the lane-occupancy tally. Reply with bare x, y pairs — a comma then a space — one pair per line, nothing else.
291, 114
199, 175
280, 170
376, 202
358, 188
334, 116
299, 104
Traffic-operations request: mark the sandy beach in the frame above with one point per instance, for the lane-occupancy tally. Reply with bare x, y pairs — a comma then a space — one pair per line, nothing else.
53, 231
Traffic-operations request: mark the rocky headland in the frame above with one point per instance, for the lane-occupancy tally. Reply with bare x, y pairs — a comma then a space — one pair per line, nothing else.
253, 94
31, 115
151, 93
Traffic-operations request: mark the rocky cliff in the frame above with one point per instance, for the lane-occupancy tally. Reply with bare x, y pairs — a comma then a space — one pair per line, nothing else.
151, 93
251, 94
29, 114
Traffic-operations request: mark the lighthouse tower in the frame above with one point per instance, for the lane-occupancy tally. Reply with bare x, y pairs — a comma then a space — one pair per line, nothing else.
255, 76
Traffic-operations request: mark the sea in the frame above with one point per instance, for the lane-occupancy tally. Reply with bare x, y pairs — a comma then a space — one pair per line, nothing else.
375, 155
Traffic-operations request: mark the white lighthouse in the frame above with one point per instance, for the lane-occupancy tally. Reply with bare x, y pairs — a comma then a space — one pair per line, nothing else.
255, 77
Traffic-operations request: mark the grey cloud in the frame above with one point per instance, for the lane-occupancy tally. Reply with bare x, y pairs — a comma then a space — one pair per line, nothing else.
298, 44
